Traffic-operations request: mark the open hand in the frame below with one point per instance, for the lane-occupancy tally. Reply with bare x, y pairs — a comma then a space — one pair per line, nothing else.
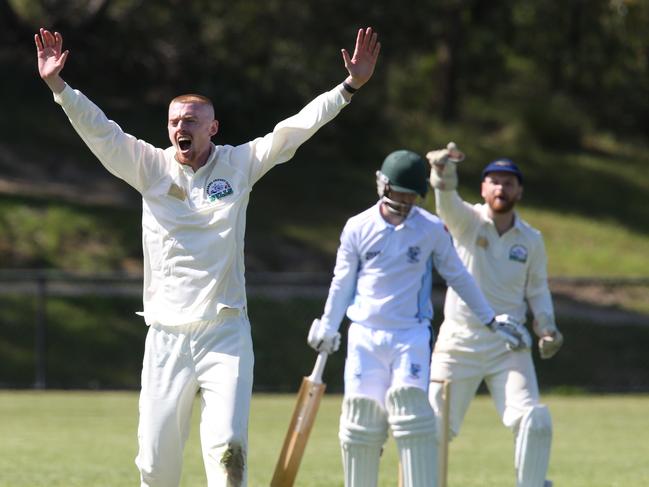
361, 65
51, 58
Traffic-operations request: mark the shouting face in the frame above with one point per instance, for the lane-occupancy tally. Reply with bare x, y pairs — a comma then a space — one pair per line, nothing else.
501, 191
191, 127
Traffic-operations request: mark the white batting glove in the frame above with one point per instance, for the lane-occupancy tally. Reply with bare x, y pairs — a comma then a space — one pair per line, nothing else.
443, 173
549, 345
323, 340
515, 335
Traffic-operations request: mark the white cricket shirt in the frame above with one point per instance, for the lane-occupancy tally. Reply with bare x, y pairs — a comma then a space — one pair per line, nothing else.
193, 224
511, 269
383, 273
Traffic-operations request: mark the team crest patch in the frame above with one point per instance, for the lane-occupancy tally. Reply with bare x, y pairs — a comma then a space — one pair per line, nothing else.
482, 242
413, 254
370, 254
518, 253
217, 189
415, 370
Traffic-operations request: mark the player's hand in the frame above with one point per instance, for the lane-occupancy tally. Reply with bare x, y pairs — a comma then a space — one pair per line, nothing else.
51, 58
549, 345
361, 65
515, 334
443, 173
323, 340
439, 158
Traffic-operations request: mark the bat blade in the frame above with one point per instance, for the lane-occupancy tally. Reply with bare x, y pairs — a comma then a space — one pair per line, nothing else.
306, 409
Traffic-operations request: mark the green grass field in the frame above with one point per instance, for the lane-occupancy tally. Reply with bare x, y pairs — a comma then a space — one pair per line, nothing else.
89, 439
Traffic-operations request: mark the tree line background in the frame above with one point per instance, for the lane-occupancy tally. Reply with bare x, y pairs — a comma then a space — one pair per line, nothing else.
585, 62
561, 87
539, 81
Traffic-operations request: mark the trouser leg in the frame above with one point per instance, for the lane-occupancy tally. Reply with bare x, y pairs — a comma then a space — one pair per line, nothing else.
515, 393
168, 390
462, 392
225, 373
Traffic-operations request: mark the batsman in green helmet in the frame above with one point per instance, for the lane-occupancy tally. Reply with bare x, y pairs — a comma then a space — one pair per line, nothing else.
401, 178
382, 282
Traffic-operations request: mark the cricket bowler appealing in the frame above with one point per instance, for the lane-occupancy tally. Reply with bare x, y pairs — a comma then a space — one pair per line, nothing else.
382, 281
194, 198
507, 258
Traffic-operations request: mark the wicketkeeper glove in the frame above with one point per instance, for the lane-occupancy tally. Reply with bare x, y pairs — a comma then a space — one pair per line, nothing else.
550, 338
549, 345
443, 164
322, 339
515, 335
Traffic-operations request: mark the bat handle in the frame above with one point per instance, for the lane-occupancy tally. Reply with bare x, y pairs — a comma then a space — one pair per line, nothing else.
316, 375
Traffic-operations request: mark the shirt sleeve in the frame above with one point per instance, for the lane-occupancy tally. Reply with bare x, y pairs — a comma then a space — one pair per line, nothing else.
451, 268
135, 161
261, 154
458, 215
343, 284
537, 291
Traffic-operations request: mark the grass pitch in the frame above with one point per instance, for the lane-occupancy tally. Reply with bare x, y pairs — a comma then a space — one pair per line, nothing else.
89, 438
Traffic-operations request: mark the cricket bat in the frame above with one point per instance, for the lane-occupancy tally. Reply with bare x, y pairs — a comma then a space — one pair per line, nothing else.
306, 409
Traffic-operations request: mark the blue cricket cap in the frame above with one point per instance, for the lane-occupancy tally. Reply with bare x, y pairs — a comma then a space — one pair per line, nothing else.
503, 165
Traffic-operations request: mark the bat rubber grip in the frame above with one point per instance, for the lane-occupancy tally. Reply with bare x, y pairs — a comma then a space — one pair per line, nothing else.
316, 375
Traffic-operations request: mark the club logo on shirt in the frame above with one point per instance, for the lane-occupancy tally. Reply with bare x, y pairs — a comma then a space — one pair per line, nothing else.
413, 254
370, 254
518, 253
482, 242
415, 370
218, 189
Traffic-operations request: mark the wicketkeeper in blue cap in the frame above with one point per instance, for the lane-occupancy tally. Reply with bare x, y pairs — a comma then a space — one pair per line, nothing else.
507, 258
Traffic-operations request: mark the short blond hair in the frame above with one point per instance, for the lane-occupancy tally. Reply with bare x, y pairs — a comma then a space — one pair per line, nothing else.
193, 98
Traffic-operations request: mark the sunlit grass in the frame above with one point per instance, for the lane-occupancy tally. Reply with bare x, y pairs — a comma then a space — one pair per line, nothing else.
87, 438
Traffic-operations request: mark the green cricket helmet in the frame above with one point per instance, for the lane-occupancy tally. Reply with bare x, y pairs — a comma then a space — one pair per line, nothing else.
403, 171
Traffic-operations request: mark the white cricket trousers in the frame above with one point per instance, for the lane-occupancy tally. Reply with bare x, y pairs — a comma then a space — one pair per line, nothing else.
214, 358
466, 356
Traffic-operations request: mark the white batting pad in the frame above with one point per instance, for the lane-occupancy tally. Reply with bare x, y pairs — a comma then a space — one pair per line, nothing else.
413, 426
533, 441
363, 430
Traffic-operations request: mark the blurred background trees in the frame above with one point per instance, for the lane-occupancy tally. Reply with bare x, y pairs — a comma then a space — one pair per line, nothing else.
560, 87
585, 60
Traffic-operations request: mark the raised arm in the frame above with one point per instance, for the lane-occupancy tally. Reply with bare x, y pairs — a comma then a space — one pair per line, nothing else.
361, 65
135, 161
51, 58
456, 213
